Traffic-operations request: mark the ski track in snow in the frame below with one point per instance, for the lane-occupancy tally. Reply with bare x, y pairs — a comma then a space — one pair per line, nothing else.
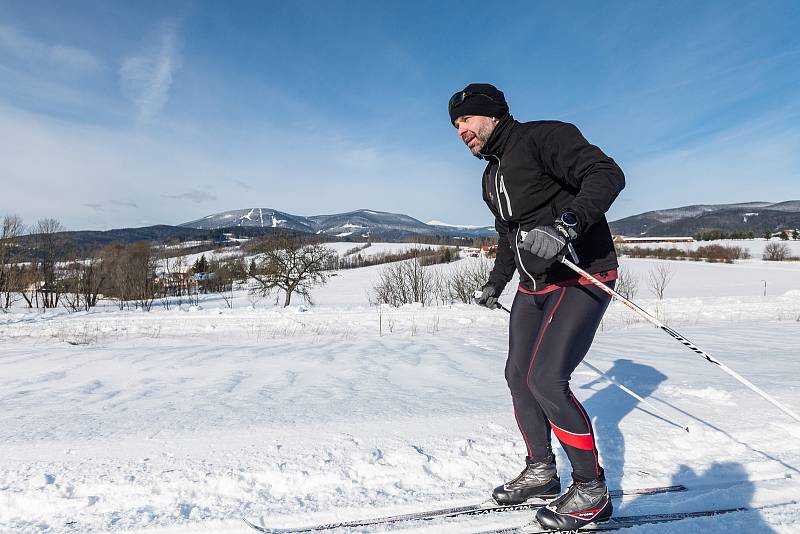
186, 420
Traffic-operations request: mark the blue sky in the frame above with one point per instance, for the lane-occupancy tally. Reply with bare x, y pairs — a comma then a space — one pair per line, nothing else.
132, 113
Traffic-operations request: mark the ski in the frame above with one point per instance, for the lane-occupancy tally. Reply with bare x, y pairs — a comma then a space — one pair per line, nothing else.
616, 523
488, 507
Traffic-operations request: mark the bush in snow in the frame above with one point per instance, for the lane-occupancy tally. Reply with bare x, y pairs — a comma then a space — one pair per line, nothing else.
627, 284
469, 276
776, 252
406, 282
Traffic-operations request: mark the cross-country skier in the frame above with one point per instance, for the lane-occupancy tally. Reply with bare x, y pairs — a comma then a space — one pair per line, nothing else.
547, 187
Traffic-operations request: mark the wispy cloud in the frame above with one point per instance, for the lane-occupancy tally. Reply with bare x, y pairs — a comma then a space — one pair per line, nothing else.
94, 206
125, 203
145, 78
28, 48
195, 195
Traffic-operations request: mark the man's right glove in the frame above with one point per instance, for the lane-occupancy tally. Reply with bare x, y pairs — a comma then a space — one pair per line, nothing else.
487, 296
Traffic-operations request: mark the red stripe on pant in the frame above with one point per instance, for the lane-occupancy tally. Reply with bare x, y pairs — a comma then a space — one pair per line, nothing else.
579, 441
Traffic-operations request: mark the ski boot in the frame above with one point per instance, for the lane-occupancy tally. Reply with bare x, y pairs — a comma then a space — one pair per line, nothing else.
583, 503
538, 480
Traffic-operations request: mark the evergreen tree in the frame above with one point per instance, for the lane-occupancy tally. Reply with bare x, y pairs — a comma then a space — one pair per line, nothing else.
201, 265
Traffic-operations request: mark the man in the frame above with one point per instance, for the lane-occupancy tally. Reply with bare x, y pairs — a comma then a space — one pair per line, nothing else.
547, 187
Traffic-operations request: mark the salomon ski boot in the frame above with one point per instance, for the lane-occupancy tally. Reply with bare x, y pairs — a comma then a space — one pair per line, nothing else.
583, 503
538, 480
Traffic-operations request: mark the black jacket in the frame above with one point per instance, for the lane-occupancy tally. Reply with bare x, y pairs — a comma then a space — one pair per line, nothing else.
536, 171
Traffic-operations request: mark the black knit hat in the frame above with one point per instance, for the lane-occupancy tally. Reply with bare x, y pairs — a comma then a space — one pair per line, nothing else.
478, 99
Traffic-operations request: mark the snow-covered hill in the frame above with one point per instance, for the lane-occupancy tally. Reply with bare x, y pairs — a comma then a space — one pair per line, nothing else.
753, 217
258, 217
358, 223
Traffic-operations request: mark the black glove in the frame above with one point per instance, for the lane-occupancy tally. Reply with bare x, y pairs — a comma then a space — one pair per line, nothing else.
487, 296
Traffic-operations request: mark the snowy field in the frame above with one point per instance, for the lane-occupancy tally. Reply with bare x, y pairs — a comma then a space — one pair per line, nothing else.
754, 246
186, 420
340, 247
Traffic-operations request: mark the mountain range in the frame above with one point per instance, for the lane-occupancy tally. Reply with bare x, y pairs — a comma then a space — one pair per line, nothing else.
358, 224
756, 217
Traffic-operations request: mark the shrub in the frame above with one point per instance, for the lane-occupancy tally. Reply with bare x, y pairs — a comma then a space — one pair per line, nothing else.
776, 252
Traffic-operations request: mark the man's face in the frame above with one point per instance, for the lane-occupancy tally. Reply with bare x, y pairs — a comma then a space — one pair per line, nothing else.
475, 130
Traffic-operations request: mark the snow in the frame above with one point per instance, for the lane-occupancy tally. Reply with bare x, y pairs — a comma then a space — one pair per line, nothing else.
468, 226
186, 420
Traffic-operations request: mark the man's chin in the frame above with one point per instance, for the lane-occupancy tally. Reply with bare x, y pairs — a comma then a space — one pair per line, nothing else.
476, 150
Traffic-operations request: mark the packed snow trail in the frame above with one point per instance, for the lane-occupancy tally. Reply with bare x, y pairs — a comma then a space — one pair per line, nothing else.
187, 420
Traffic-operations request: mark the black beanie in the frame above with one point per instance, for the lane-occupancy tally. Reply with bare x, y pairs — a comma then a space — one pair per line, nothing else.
478, 99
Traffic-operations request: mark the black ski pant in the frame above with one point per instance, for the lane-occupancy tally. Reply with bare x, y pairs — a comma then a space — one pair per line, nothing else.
549, 335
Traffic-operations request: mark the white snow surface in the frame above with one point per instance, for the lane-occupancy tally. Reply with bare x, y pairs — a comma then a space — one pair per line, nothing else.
469, 226
754, 246
187, 420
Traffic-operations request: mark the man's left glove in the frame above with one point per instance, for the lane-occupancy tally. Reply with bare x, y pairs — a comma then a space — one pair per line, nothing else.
547, 241
544, 241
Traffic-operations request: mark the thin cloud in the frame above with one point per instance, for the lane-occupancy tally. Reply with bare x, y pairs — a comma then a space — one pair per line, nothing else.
31, 49
94, 206
75, 57
195, 195
145, 78
125, 203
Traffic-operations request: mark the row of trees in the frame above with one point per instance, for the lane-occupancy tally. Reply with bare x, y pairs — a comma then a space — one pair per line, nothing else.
38, 281
710, 253
714, 235
135, 275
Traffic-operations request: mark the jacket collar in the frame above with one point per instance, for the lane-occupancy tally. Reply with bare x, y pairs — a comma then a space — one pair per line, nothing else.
497, 141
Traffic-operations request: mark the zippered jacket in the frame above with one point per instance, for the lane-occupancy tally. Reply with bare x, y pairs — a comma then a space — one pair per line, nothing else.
536, 171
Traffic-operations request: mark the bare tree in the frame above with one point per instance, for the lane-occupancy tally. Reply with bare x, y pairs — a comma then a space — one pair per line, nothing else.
405, 282
659, 278
141, 274
50, 251
292, 267
467, 277
83, 282
776, 252
29, 285
627, 284
131, 274
9, 271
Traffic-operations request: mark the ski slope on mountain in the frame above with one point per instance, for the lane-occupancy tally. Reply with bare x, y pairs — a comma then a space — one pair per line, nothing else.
187, 420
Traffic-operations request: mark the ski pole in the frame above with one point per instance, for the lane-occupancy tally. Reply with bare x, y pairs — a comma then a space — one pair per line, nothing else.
622, 387
680, 338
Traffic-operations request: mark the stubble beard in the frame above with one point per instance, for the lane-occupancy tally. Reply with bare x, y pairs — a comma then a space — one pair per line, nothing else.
482, 134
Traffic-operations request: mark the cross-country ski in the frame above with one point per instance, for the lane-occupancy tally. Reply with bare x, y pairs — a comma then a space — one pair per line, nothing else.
485, 508
620, 522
